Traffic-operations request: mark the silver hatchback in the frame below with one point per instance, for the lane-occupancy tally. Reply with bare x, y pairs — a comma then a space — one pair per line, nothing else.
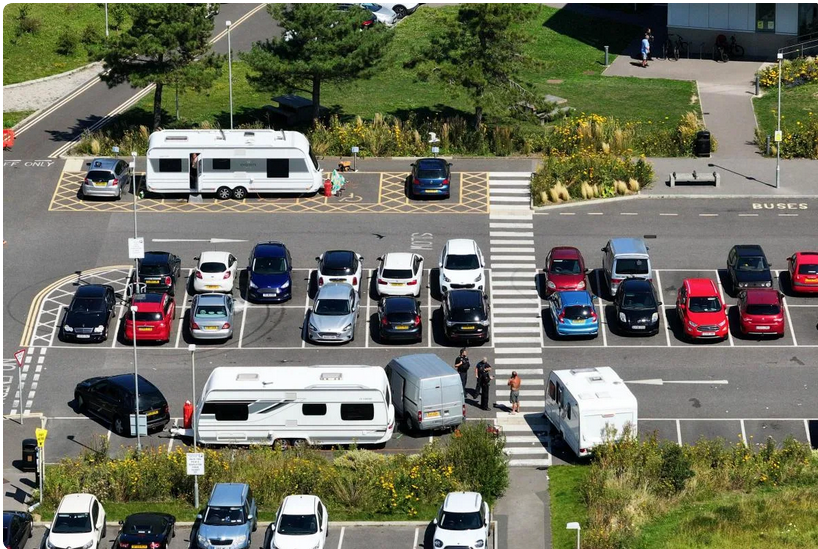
106, 177
333, 314
211, 316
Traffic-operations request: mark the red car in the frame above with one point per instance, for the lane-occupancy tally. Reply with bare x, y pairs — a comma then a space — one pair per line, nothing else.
154, 317
701, 311
803, 267
761, 311
564, 270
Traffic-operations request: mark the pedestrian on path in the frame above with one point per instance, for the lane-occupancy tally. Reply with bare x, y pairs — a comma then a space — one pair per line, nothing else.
461, 364
649, 33
514, 398
645, 50
485, 386
478, 371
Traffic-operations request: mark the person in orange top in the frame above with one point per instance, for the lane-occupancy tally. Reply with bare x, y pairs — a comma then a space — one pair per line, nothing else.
514, 383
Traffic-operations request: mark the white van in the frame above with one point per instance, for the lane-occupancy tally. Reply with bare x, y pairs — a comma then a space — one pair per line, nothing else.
625, 258
231, 163
428, 392
320, 405
582, 403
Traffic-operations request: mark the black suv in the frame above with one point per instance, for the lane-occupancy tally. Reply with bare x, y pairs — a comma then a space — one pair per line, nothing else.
747, 267
636, 307
466, 315
112, 399
399, 318
88, 315
159, 271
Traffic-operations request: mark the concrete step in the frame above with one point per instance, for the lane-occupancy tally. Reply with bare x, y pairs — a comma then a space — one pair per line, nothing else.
530, 462
523, 392
512, 451
527, 383
536, 438
525, 429
533, 420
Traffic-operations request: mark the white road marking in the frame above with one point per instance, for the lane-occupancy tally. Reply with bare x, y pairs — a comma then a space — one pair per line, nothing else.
511, 225
512, 250
503, 258
518, 351
744, 434
748, 215
306, 326
708, 215
119, 317
663, 318
368, 304
568, 213
628, 213
531, 267
679, 432
787, 215
341, 538
516, 320
789, 321
669, 214
170, 442
518, 242
430, 335
595, 213
806, 429
723, 300
513, 234
415, 543
181, 324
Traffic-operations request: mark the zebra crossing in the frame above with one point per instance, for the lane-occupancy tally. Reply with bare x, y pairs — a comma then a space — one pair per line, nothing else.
515, 317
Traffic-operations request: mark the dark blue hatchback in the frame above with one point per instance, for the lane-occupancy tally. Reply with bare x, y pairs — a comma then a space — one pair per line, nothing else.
431, 176
268, 273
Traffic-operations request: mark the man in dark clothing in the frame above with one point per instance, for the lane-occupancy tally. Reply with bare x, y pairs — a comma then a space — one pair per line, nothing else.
461, 364
478, 371
485, 384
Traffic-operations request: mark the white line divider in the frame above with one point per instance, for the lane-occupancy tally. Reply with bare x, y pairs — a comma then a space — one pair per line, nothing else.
180, 308
723, 300
305, 329
663, 319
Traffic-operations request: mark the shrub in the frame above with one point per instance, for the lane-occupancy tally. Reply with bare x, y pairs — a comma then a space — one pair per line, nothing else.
26, 24
92, 35
478, 459
793, 72
67, 42
675, 469
799, 140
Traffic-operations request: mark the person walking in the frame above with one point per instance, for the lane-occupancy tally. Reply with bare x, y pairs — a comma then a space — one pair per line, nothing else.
645, 50
650, 43
478, 371
514, 398
461, 364
485, 386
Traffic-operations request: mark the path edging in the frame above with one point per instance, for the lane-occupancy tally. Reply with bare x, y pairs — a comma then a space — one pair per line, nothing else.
52, 77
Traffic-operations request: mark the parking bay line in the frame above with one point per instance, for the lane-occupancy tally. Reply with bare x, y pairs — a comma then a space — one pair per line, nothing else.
723, 300
122, 306
305, 328
663, 319
181, 325
601, 312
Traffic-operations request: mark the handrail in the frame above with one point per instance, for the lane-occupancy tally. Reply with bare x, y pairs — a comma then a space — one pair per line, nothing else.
800, 47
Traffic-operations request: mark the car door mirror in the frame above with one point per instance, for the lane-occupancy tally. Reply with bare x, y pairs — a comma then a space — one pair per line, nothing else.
199, 516
449, 164
726, 306
602, 249
249, 517
434, 521
412, 164
659, 304
318, 259
121, 522
196, 258
380, 258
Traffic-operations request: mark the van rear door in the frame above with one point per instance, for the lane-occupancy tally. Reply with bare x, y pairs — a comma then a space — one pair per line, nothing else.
453, 399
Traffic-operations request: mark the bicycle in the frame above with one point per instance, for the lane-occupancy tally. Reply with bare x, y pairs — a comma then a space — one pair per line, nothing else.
672, 50
726, 49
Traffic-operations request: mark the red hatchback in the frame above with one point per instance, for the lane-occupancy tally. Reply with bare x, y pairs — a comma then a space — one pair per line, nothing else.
803, 267
564, 270
761, 312
700, 310
154, 317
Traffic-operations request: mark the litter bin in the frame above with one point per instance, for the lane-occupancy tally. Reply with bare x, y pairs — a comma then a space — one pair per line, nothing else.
702, 145
29, 454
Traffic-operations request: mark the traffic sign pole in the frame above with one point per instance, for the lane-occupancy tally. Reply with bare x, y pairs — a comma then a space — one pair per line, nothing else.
18, 356
41, 435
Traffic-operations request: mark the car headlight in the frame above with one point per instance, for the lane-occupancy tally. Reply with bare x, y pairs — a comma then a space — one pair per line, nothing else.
68, 328
722, 323
87, 545
312, 327
348, 327
768, 284
446, 278
654, 317
484, 323
581, 285
238, 540
48, 544
285, 285
201, 540
449, 323
692, 324
99, 329
478, 543
438, 543
622, 317
479, 277
551, 285
253, 285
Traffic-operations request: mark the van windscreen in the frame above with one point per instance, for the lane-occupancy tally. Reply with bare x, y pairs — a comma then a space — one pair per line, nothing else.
631, 266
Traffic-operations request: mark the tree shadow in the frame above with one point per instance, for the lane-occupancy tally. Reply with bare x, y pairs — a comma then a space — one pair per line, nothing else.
594, 31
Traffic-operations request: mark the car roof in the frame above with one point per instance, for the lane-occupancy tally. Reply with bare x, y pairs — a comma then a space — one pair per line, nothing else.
90, 290
748, 249
565, 252
465, 298
432, 163
338, 258
151, 519
212, 299
461, 246
299, 505
103, 164
75, 503
228, 494
126, 382
637, 285
701, 286
575, 297
759, 296
214, 257
397, 260
156, 257
270, 249
334, 290
806, 256
395, 304
462, 502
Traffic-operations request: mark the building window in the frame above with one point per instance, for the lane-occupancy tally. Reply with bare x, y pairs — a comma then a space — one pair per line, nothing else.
357, 412
314, 409
221, 163
807, 20
765, 17
170, 164
278, 167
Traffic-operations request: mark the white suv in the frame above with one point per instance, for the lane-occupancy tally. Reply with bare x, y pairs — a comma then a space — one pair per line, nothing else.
461, 266
463, 521
302, 522
78, 523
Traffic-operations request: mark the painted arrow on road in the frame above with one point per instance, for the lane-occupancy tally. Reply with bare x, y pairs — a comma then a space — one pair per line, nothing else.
211, 241
690, 382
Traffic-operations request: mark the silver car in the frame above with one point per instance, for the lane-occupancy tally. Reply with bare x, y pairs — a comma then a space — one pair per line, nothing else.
106, 177
211, 316
333, 314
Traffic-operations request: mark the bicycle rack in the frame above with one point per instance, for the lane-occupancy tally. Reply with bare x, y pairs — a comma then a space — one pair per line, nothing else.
701, 50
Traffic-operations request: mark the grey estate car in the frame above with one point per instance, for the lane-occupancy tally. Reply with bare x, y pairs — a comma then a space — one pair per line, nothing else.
229, 519
333, 314
106, 177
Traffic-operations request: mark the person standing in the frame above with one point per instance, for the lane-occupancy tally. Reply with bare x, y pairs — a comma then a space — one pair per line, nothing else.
645, 50
650, 43
485, 384
478, 371
461, 364
514, 398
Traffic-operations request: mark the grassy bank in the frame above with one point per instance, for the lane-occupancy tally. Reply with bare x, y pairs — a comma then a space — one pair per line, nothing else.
565, 489
12, 118
799, 104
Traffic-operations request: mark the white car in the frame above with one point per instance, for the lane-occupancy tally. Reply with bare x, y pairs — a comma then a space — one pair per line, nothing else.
301, 523
463, 521
402, 10
400, 274
340, 266
79, 523
383, 14
461, 266
216, 272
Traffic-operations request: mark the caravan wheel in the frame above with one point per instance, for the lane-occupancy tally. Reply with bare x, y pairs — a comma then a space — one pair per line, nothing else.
239, 193
224, 193
299, 443
281, 444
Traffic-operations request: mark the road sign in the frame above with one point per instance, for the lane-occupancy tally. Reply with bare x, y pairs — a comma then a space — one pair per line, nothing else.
778, 136
18, 356
355, 149
195, 464
143, 425
136, 248
435, 150
40, 434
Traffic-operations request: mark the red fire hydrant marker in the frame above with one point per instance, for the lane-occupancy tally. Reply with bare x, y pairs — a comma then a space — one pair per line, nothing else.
187, 415
327, 187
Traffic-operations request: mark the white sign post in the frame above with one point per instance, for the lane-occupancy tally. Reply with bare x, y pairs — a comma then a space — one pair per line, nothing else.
136, 248
195, 464
18, 356
355, 151
143, 425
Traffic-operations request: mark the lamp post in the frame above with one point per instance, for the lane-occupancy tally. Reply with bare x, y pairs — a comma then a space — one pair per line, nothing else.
106, 19
134, 309
192, 349
574, 526
230, 71
778, 137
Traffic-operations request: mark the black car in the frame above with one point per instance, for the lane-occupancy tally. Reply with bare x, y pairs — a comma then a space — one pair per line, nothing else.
146, 531
399, 318
159, 271
112, 399
747, 267
636, 307
17, 528
88, 314
466, 315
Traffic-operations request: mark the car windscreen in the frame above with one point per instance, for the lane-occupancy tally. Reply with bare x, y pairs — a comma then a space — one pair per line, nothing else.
631, 266
71, 523
638, 301
752, 264
808, 269
461, 521
148, 317
269, 265
704, 304
433, 173
462, 262
565, 266
216, 516
298, 525
87, 305
213, 267
153, 270
98, 176
210, 310
763, 309
332, 307
371, 7
397, 273
578, 312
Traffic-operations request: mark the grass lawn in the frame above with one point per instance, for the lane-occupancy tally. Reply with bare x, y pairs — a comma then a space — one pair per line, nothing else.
12, 118
797, 105
783, 517
564, 483
31, 56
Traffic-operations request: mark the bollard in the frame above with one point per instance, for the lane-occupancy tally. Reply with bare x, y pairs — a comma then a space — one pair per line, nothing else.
606, 56
768, 145
758, 86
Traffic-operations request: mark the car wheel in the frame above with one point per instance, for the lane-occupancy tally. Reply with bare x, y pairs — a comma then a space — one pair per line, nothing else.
104, 529
119, 426
223, 193
400, 11
119, 194
81, 405
239, 193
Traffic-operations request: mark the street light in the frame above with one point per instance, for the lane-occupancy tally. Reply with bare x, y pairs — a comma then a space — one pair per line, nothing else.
192, 349
134, 309
230, 71
574, 526
779, 138
106, 19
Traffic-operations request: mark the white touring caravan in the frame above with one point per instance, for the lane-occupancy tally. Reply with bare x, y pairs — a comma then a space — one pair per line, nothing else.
320, 405
580, 404
231, 163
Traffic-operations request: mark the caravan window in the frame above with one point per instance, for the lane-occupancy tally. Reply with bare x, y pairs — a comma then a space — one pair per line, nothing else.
278, 167
170, 164
297, 165
552, 390
559, 394
221, 163
568, 410
357, 412
227, 411
314, 409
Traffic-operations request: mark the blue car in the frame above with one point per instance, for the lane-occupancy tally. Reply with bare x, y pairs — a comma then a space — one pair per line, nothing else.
573, 313
431, 176
269, 271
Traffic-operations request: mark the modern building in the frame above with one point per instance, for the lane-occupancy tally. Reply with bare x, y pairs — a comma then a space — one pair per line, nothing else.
760, 28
